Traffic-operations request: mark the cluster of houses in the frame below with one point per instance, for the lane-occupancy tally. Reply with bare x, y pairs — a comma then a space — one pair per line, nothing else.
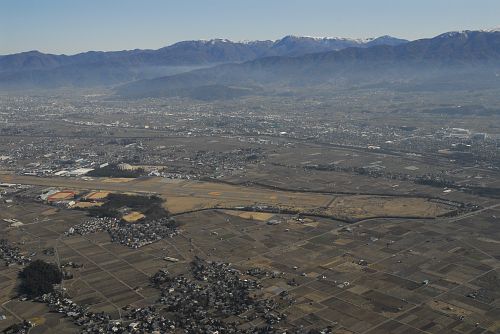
12, 255
214, 291
201, 302
130, 235
140, 320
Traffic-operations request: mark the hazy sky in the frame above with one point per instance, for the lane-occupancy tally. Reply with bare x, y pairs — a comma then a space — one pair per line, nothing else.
71, 26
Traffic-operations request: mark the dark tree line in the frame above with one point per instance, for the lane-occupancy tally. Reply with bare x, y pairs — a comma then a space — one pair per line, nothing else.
112, 170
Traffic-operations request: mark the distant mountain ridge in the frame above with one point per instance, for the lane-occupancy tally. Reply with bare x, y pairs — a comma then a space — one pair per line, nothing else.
221, 68
34, 69
455, 59
300, 45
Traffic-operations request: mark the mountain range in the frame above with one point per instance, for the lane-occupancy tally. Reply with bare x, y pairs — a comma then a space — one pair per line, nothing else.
34, 69
455, 60
220, 69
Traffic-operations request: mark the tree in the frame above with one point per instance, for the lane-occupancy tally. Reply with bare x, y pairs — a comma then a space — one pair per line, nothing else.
38, 278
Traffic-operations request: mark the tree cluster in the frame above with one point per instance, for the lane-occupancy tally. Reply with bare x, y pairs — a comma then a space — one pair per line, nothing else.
38, 278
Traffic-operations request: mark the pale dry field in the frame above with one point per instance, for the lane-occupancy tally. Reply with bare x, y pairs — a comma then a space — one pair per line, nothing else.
117, 180
190, 195
97, 195
260, 216
187, 203
85, 205
133, 216
380, 206
62, 195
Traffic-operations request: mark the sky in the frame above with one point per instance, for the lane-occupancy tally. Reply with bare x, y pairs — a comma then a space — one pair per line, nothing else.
72, 26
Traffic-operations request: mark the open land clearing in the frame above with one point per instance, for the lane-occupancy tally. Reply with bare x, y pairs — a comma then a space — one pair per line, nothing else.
86, 205
133, 216
260, 216
98, 195
369, 206
189, 196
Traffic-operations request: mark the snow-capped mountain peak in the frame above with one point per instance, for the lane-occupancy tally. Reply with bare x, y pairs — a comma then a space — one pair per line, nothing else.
495, 29
466, 33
